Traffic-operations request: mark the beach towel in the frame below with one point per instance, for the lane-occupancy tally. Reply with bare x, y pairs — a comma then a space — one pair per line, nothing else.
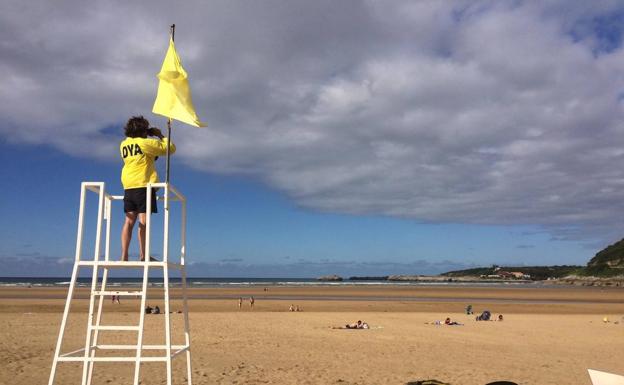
604, 378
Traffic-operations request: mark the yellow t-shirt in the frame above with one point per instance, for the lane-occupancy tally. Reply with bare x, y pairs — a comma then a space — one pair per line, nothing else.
138, 155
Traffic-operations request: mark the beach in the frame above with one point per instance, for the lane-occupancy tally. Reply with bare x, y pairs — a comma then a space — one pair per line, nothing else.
550, 335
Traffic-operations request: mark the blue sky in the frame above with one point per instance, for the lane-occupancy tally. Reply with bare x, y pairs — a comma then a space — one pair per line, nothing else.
241, 225
348, 138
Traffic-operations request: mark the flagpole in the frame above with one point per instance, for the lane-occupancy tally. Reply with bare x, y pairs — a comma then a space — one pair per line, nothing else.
168, 145
172, 32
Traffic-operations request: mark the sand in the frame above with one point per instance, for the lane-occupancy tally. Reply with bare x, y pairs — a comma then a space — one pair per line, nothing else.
549, 336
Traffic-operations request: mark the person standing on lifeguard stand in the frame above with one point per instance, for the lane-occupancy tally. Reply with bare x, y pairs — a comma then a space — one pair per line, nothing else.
139, 153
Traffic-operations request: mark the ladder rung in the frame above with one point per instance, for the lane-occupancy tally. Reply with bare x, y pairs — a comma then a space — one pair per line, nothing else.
123, 293
178, 349
120, 264
184, 348
120, 328
129, 264
72, 353
112, 359
134, 347
171, 199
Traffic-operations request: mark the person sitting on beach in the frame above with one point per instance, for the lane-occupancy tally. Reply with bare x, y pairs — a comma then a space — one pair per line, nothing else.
291, 308
448, 321
355, 325
500, 317
156, 310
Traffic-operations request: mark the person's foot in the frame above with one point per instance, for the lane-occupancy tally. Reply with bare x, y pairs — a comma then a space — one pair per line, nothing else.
152, 259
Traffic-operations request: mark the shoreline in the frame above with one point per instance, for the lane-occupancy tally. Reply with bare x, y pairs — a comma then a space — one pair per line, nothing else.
534, 300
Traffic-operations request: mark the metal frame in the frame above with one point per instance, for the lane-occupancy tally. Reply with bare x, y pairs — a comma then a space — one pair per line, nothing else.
87, 354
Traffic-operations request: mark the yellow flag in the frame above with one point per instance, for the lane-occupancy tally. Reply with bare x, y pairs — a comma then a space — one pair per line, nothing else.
174, 95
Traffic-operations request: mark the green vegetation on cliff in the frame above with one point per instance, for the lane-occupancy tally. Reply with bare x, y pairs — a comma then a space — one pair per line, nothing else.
608, 262
612, 257
537, 273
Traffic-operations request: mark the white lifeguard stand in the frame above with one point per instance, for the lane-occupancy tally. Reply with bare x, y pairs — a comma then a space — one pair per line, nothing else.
87, 354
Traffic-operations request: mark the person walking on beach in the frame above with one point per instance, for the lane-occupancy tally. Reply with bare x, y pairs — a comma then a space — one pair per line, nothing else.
251, 302
240, 302
139, 153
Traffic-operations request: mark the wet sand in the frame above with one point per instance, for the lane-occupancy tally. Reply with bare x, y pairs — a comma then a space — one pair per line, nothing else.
550, 335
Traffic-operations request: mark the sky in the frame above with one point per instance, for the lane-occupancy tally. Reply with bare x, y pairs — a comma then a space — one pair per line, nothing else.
351, 137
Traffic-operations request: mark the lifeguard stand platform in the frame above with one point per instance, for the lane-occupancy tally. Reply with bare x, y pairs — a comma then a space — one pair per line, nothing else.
87, 355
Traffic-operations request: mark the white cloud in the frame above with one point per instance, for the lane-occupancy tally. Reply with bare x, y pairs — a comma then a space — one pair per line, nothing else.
469, 112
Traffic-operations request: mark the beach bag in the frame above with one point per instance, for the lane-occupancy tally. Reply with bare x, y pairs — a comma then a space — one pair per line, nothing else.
485, 316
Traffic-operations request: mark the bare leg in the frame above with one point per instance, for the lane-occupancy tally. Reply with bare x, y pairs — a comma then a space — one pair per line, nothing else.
142, 236
126, 234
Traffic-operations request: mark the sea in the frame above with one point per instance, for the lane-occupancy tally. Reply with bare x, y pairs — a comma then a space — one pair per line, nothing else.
267, 283
85, 281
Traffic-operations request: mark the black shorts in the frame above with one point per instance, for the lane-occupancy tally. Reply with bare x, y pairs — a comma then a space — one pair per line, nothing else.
135, 200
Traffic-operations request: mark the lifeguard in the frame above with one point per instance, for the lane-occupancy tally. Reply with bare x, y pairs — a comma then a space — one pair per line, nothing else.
139, 153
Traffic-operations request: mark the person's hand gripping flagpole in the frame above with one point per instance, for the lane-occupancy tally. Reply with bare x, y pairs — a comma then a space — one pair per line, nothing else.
174, 95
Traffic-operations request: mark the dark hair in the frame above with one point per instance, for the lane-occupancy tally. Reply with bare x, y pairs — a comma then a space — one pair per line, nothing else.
137, 127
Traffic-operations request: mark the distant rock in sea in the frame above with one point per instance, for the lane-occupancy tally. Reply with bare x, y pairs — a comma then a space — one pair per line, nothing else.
369, 278
332, 277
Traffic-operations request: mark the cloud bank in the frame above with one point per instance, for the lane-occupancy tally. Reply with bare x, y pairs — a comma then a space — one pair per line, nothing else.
486, 112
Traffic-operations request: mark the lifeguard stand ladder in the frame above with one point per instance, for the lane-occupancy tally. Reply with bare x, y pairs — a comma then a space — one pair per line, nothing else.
87, 355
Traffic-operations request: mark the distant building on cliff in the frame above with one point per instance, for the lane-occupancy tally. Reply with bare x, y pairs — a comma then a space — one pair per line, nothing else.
502, 274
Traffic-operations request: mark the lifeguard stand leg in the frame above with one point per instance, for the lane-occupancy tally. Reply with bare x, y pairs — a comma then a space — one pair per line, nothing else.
146, 259
72, 284
59, 342
107, 217
187, 332
94, 280
166, 285
139, 346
